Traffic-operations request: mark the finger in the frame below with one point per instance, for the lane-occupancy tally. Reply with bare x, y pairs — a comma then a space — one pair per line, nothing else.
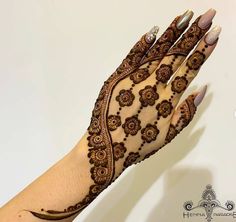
178, 53
168, 38
184, 114
136, 54
189, 69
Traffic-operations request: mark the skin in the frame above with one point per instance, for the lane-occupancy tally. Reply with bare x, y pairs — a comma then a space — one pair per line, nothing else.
131, 121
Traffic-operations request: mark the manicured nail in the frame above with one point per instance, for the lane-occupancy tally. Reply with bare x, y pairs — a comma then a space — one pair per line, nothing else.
151, 35
198, 99
184, 19
213, 35
206, 18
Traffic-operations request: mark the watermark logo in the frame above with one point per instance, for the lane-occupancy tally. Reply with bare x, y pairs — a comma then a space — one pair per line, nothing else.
209, 206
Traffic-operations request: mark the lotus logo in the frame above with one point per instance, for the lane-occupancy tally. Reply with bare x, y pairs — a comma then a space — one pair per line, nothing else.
209, 203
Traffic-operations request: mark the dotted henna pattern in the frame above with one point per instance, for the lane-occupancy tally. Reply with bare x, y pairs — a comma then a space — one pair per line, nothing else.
103, 152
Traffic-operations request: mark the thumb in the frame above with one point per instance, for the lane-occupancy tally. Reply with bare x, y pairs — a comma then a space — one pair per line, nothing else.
184, 113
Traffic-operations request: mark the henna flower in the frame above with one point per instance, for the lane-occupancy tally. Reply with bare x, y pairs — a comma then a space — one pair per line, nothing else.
100, 174
149, 133
148, 96
131, 125
94, 126
164, 73
196, 60
139, 75
131, 158
179, 84
97, 108
164, 108
125, 98
95, 190
96, 141
119, 150
113, 122
98, 157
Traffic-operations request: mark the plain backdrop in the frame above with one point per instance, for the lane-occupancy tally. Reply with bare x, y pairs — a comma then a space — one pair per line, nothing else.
55, 56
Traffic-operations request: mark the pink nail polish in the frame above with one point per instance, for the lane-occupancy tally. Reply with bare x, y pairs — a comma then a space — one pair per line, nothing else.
213, 35
206, 18
198, 99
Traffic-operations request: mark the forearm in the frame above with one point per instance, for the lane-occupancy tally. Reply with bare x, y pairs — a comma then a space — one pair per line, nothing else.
64, 185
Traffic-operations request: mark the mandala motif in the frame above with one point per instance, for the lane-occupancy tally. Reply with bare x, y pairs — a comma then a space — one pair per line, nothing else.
196, 60
179, 84
96, 141
164, 73
94, 126
125, 98
171, 133
98, 157
132, 125
149, 133
148, 96
164, 108
119, 150
139, 75
99, 174
113, 122
131, 158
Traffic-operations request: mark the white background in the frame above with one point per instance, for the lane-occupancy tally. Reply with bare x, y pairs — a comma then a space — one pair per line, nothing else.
54, 57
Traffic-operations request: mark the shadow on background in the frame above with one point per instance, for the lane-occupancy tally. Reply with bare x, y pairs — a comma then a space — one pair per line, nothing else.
116, 208
180, 185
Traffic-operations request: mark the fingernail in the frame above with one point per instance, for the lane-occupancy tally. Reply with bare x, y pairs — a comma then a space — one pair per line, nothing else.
151, 35
184, 19
206, 18
213, 35
198, 99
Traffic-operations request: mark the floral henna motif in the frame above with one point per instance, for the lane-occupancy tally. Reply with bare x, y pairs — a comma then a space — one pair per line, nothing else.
125, 98
148, 96
140, 75
132, 125
113, 122
131, 159
119, 150
164, 73
196, 60
179, 84
189, 39
149, 133
100, 174
98, 157
164, 43
164, 108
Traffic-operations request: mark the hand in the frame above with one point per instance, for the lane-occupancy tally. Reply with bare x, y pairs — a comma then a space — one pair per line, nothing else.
136, 112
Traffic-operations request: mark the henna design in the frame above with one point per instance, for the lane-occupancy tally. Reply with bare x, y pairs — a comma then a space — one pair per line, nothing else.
164, 108
140, 75
189, 39
149, 133
98, 157
96, 141
148, 95
113, 122
196, 60
164, 73
131, 159
179, 84
119, 150
131, 125
125, 98
164, 43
